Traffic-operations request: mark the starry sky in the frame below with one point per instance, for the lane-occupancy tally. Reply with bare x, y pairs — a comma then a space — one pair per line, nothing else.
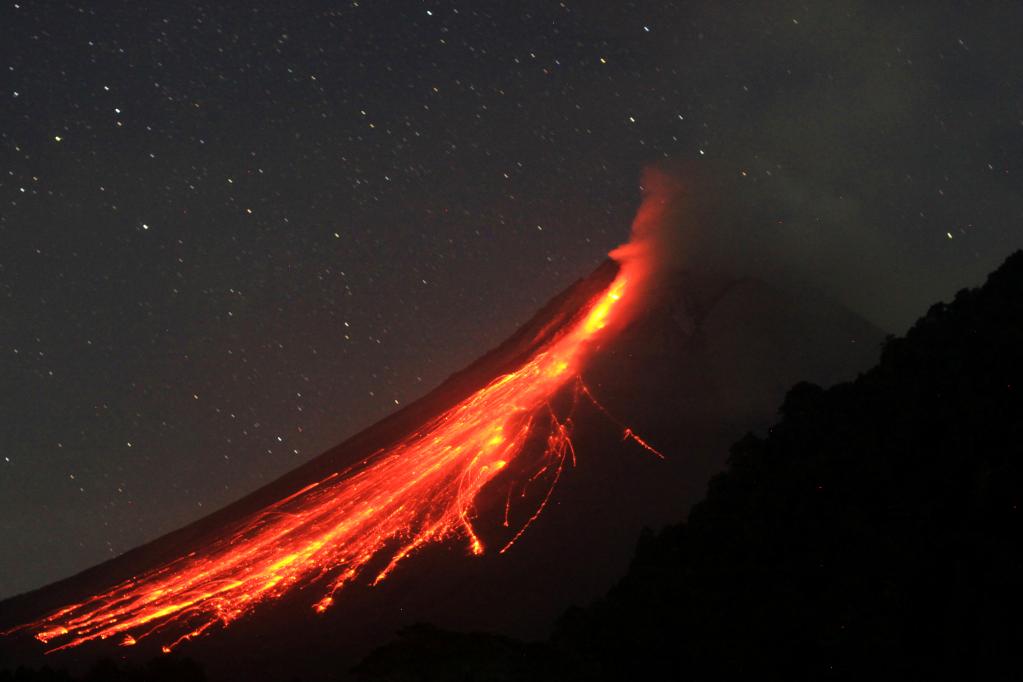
233, 234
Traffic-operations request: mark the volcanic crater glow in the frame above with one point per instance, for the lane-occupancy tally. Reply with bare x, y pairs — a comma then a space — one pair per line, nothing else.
419, 491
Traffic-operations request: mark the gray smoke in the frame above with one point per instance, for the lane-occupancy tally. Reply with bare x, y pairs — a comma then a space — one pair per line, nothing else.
861, 149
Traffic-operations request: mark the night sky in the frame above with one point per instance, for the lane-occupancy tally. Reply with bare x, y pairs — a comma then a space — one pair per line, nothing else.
232, 236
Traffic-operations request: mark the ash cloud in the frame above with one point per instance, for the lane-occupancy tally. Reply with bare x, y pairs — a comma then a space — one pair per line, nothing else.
694, 217
864, 150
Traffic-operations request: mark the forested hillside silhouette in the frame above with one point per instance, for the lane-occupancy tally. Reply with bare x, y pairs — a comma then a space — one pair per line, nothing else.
873, 533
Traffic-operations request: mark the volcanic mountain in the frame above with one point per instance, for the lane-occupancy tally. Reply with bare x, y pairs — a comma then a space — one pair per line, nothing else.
703, 358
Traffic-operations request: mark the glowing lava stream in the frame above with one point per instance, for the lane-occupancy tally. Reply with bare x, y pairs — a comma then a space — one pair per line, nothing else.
418, 491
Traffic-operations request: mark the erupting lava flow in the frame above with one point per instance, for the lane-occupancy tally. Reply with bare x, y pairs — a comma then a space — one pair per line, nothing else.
420, 490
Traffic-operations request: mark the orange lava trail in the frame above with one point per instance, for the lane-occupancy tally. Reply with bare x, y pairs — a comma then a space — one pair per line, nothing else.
420, 491
627, 433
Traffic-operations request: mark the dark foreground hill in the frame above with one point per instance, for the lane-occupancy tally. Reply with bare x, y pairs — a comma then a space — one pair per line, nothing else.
707, 358
876, 532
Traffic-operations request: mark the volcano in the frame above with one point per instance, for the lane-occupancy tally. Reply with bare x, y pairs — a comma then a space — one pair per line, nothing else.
512, 490
705, 358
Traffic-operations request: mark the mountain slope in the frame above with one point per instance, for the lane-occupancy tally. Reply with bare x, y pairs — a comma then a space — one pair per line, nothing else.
697, 366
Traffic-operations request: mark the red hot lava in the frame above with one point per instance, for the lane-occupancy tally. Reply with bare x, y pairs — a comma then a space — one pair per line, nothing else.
419, 491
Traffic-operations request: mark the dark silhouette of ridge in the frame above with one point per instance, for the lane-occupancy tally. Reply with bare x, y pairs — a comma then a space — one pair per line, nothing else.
875, 532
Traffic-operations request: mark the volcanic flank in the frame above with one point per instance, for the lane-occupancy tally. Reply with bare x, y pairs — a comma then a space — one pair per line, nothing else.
557, 420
